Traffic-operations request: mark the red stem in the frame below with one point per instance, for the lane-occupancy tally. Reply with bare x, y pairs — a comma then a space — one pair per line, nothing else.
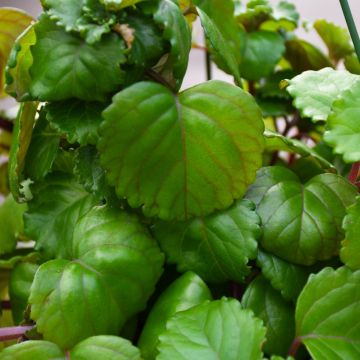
294, 347
12, 333
354, 172
6, 125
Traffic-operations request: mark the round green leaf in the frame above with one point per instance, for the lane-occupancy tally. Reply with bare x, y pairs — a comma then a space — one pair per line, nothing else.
76, 119
288, 278
115, 267
350, 250
33, 349
315, 91
11, 224
205, 144
343, 125
277, 314
263, 51
61, 71
59, 201
217, 247
217, 330
20, 281
327, 315
301, 223
184, 293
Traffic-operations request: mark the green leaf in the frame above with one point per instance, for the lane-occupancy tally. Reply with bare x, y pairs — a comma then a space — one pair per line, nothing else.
351, 245
42, 150
12, 23
214, 330
336, 38
61, 71
285, 10
177, 31
115, 267
315, 91
222, 33
217, 247
277, 142
304, 56
59, 201
343, 124
352, 64
184, 293
76, 119
148, 126
33, 349
20, 282
263, 51
11, 224
301, 223
288, 278
115, 5
104, 347
255, 13
327, 314
148, 45
89, 173
276, 313
20, 60
20, 143
21, 255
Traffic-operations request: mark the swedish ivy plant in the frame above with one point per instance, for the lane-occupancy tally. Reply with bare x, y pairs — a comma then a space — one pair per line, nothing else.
144, 220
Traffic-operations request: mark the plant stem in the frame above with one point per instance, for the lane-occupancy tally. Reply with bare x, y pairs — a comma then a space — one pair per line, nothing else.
208, 66
294, 347
354, 172
351, 26
12, 333
158, 78
6, 125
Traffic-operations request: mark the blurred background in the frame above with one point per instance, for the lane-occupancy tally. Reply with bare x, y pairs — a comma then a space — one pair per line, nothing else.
310, 10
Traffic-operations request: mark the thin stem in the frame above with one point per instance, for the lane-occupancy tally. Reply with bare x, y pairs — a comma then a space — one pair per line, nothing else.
12, 333
208, 66
354, 172
158, 78
294, 347
252, 89
351, 26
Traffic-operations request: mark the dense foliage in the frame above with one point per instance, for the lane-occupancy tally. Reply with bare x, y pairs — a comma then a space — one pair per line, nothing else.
144, 222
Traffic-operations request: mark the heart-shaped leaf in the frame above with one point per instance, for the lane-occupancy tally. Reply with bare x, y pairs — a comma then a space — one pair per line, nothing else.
277, 314
115, 267
315, 91
213, 330
184, 293
61, 71
327, 314
12, 23
217, 247
350, 249
177, 31
76, 119
59, 201
104, 347
301, 223
223, 34
147, 127
343, 126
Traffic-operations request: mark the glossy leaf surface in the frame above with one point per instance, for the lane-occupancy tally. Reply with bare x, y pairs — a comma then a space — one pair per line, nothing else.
214, 330
277, 314
215, 122
301, 223
217, 247
185, 292
114, 269
327, 314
